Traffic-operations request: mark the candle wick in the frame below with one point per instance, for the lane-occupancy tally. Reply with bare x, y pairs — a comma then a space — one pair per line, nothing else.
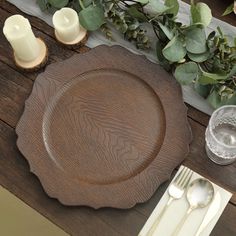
17, 27
66, 19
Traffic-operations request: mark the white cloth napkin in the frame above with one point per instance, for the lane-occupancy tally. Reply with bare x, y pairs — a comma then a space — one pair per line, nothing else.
97, 38
176, 211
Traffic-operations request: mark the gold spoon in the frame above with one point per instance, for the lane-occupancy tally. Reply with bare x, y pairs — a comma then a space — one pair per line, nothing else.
199, 194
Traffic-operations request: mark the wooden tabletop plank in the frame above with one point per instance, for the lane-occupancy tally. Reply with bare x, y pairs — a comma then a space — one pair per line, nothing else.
226, 224
14, 90
198, 116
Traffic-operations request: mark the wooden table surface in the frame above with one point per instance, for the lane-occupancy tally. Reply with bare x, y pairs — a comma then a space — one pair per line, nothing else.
15, 87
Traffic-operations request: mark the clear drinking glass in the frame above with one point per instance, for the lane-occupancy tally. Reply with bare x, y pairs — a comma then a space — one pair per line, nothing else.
221, 135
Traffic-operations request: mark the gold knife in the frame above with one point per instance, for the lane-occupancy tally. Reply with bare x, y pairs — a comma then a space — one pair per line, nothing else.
211, 213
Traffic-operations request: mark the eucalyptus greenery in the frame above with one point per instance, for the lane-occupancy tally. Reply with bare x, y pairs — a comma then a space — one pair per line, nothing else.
231, 8
208, 62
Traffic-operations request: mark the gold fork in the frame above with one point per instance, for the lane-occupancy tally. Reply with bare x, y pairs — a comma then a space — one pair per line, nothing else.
175, 191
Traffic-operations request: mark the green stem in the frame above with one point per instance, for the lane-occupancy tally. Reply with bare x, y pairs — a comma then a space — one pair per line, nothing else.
154, 29
125, 3
81, 4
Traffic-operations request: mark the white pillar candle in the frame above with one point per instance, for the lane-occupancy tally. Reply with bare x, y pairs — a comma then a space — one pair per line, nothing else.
66, 24
18, 32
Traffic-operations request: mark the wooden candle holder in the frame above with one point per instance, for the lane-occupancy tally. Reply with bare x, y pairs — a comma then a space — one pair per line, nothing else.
36, 64
78, 42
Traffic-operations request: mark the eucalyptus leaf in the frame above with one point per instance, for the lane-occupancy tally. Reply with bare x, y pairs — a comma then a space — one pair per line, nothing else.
51, 10
202, 90
173, 5
186, 73
134, 26
230, 40
233, 56
199, 57
157, 7
76, 5
58, 3
92, 17
142, 1
159, 52
232, 100
174, 51
162, 60
201, 14
195, 40
233, 71
169, 34
42, 4
215, 76
123, 28
133, 11
229, 9
204, 80
211, 78
220, 31
162, 36
86, 3
214, 99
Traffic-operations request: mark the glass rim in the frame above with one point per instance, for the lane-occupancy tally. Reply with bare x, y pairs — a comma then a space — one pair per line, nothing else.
210, 126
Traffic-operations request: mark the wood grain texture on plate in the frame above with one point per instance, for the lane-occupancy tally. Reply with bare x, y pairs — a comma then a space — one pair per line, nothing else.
104, 128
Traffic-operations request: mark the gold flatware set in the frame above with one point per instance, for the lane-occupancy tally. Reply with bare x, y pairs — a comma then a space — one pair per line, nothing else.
199, 193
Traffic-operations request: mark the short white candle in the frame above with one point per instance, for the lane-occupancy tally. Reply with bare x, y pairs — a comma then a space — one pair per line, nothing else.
18, 32
66, 24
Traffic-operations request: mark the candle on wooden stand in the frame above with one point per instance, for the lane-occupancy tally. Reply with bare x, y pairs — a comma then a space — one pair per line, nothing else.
67, 28
18, 32
29, 51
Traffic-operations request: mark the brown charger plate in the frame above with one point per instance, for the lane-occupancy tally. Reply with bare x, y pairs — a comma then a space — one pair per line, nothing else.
104, 128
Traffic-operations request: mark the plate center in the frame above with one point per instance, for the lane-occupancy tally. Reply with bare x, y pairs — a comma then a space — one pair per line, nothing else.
104, 126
